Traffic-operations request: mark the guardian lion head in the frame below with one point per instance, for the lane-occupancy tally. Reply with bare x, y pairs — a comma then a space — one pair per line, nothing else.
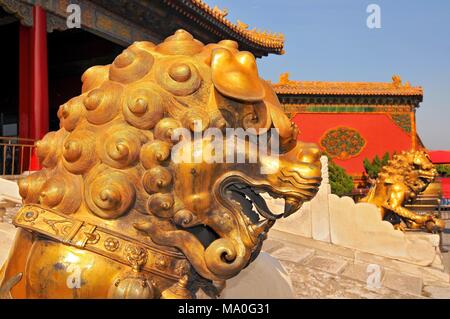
112, 162
413, 168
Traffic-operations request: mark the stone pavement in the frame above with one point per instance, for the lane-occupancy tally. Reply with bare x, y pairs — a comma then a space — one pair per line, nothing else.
445, 239
7, 233
322, 270
8, 210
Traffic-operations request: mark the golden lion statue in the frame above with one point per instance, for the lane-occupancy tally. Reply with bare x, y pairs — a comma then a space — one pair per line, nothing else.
114, 215
400, 181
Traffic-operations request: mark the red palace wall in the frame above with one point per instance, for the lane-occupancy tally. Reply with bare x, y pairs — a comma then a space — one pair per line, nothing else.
380, 133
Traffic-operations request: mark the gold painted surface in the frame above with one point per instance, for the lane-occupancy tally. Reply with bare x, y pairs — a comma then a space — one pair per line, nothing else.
114, 214
404, 177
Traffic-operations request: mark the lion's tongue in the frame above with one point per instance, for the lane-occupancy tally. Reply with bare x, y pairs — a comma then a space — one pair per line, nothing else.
291, 205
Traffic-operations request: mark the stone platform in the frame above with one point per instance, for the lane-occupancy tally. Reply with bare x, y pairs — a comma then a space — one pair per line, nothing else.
323, 270
7, 233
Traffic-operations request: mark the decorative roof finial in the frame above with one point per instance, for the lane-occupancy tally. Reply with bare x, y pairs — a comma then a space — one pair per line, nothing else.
396, 80
220, 12
284, 78
242, 25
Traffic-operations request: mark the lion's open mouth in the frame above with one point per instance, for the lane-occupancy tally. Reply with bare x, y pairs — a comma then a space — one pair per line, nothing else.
425, 179
257, 215
252, 203
245, 195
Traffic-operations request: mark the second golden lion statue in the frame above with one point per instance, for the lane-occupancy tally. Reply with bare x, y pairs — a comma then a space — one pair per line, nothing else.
400, 181
112, 215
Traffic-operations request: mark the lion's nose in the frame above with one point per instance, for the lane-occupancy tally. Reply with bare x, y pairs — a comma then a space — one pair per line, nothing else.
310, 153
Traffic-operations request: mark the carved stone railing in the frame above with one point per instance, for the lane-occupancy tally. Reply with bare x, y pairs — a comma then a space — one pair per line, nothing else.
15, 155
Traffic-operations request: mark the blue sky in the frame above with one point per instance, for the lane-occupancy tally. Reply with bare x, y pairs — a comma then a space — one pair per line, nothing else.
329, 40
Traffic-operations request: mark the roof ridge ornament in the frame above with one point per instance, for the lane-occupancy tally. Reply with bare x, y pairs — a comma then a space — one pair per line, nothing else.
263, 38
287, 86
284, 78
396, 80
242, 25
220, 12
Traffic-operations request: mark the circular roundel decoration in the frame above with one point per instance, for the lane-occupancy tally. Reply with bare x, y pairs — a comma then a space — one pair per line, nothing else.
342, 142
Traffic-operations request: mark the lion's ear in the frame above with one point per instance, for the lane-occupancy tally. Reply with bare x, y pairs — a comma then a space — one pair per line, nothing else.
236, 75
276, 113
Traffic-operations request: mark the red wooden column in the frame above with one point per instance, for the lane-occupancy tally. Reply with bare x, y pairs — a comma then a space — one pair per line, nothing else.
39, 79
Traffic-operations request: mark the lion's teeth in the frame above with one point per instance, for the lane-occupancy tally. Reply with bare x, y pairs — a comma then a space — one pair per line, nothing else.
261, 226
